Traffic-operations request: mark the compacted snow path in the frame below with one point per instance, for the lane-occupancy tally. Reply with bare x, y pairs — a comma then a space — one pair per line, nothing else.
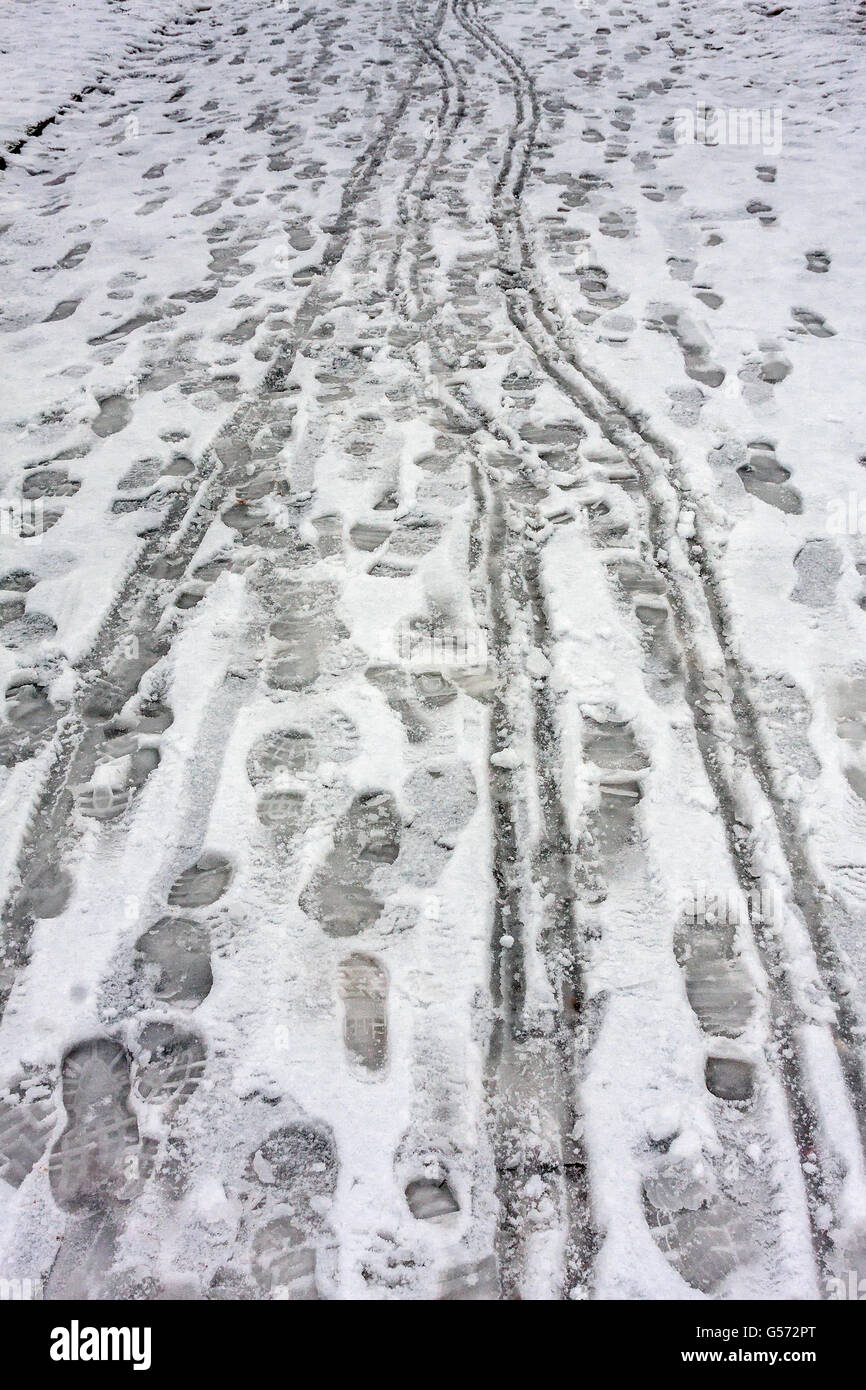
433, 728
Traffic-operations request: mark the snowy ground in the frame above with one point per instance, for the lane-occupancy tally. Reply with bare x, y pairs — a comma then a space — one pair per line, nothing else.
433, 570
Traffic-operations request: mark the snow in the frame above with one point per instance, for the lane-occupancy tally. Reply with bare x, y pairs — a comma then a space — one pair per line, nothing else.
432, 780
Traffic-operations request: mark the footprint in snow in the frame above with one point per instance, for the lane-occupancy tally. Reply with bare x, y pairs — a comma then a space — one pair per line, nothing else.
818, 566
341, 895
291, 1179
767, 479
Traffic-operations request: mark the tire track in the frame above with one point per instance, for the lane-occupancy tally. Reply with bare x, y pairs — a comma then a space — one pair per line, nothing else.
532, 1060
167, 553
426, 38
233, 467
716, 689
550, 1049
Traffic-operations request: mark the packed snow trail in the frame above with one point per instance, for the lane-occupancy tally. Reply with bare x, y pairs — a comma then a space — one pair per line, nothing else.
406, 895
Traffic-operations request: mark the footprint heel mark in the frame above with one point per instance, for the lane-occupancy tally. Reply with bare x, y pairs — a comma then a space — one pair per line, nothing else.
636, 577
372, 831
730, 1078
596, 289
73, 258
340, 895
618, 799
856, 779
433, 689
431, 1199
18, 581
34, 522
94, 1163
212, 569
258, 513
610, 743
416, 536
336, 736
363, 988
63, 309
848, 707
389, 569
708, 296
681, 268
388, 502
283, 810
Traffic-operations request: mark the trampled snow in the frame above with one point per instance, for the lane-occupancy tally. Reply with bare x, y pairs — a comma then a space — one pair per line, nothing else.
432, 565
